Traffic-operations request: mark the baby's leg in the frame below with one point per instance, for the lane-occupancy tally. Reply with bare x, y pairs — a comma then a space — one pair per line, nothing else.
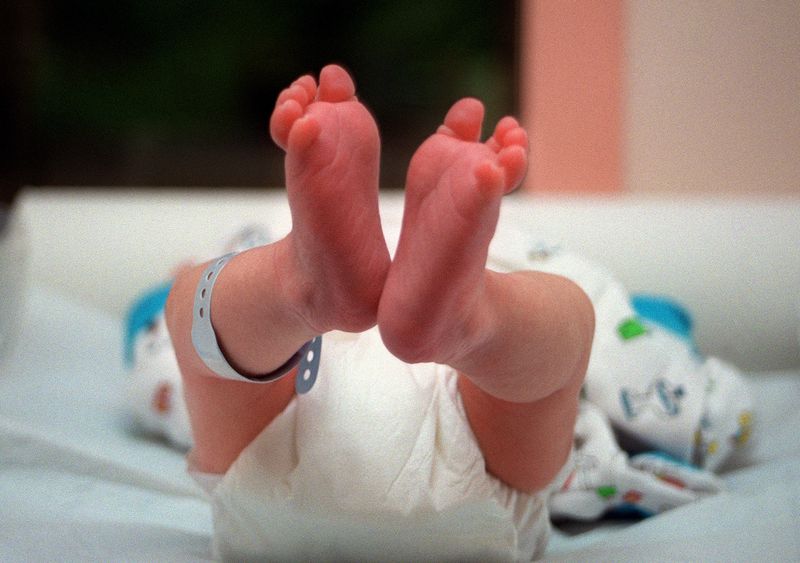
328, 273
520, 341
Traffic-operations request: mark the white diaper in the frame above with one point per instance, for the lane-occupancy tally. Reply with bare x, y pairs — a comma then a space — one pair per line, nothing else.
377, 462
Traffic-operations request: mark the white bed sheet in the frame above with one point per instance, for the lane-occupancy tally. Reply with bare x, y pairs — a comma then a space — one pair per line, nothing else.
77, 483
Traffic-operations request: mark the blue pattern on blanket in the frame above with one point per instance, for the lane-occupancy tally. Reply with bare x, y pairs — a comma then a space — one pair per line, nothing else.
665, 312
142, 314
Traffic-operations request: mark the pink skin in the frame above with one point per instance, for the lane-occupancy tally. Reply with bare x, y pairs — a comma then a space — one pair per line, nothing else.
332, 167
328, 273
520, 341
453, 191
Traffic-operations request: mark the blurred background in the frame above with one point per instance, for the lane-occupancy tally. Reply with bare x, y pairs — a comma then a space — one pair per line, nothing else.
174, 93
694, 101
685, 96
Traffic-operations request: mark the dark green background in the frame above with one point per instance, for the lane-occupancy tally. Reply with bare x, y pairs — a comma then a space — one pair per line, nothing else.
160, 93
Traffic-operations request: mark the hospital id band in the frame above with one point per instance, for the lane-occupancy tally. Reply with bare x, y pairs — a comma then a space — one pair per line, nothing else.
205, 342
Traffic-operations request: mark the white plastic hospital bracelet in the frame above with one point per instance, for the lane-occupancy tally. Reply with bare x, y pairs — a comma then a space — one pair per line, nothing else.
205, 340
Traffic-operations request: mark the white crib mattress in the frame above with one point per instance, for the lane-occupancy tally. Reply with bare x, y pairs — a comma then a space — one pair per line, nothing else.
78, 483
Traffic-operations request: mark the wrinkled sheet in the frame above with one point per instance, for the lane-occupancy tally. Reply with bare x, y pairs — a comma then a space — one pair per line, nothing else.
78, 483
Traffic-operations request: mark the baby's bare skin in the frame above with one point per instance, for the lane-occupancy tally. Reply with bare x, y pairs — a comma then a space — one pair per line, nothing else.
520, 341
431, 310
337, 259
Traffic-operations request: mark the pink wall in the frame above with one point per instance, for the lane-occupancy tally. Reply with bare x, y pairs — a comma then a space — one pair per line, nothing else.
571, 70
713, 97
678, 96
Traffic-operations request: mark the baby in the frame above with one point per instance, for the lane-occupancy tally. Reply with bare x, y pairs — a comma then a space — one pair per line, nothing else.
499, 358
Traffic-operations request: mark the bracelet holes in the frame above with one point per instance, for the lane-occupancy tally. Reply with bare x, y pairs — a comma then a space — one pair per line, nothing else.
201, 312
310, 356
307, 375
210, 275
203, 293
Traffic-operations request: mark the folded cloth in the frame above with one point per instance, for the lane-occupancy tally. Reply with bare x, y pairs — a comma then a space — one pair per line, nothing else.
646, 375
605, 479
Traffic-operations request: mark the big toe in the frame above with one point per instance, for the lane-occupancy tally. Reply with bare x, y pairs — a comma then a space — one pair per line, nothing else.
335, 85
464, 120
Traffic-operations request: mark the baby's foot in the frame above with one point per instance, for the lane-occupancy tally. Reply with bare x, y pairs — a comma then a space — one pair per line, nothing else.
431, 305
335, 257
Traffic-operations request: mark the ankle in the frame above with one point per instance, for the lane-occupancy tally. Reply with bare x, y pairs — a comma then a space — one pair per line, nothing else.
295, 286
349, 304
445, 336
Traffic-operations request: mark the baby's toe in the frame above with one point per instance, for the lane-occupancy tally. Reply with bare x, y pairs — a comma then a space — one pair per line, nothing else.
296, 92
490, 178
514, 160
303, 133
495, 142
516, 137
464, 120
335, 85
308, 83
282, 119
